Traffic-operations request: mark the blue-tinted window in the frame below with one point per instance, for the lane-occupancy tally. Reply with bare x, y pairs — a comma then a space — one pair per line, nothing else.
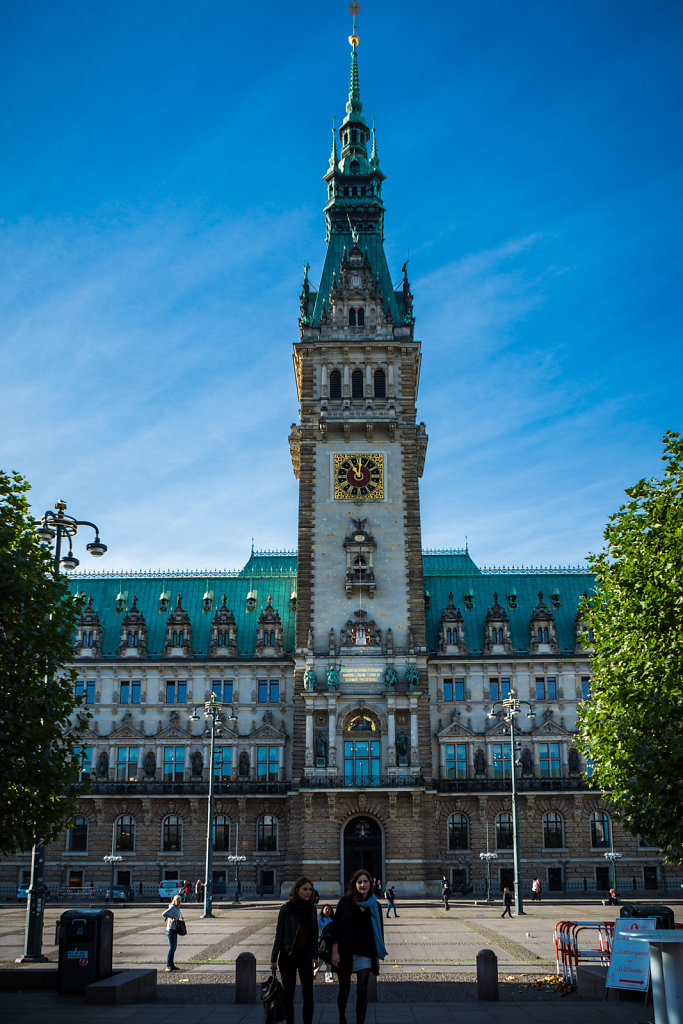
454, 689
267, 764
86, 689
456, 761
546, 689
549, 760
501, 760
585, 687
268, 691
222, 690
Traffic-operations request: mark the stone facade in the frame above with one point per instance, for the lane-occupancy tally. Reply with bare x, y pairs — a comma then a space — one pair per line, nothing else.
356, 673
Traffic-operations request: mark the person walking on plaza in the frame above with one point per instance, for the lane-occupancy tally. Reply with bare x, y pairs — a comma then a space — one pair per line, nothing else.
199, 890
445, 892
357, 942
295, 948
391, 900
536, 889
172, 915
325, 921
507, 900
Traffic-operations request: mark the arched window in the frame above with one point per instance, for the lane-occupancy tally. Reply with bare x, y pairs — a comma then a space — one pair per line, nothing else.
380, 384
357, 384
175, 638
221, 833
124, 834
172, 834
553, 831
504, 831
449, 637
458, 832
335, 384
361, 317
220, 637
352, 318
266, 833
601, 829
77, 835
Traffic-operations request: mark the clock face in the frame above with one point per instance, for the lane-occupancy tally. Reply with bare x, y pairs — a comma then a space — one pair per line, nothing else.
359, 477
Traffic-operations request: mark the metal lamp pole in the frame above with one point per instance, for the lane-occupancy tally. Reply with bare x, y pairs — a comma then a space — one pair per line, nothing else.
237, 859
54, 526
612, 856
488, 857
112, 859
510, 707
212, 713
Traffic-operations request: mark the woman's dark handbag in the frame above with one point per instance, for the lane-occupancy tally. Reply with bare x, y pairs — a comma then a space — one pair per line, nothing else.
273, 998
325, 944
181, 927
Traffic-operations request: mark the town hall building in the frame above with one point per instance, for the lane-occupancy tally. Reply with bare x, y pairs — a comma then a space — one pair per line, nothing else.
358, 672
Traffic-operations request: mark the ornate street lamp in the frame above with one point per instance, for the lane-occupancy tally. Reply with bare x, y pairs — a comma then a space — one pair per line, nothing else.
212, 713
237, 859
112, 859
53, 528
509, 708
488, 857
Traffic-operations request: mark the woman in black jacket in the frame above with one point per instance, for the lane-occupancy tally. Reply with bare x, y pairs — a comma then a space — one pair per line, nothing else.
296, 946
357, 942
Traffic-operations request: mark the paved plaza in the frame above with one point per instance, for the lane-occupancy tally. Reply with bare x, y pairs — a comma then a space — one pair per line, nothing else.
428, 976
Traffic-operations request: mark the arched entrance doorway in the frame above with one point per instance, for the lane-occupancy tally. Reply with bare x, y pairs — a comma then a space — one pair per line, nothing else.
362, 847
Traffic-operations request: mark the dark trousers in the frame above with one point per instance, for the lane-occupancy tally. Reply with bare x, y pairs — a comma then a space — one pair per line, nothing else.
289, 965
508, 910
361, 995
172, 945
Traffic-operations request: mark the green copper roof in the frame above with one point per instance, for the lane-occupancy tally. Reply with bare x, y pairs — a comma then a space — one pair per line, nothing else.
274, 573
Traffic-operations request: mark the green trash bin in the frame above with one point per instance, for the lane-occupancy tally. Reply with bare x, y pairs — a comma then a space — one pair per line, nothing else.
85, 939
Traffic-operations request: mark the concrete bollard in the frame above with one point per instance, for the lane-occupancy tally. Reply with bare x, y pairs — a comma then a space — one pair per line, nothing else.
487, 974
245, 978
372, 988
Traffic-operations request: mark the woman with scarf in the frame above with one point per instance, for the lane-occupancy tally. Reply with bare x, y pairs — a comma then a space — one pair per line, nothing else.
296, 947
357, 942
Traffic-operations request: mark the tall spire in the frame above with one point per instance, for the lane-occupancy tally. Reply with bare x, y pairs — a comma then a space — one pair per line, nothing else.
334, 159
354, 106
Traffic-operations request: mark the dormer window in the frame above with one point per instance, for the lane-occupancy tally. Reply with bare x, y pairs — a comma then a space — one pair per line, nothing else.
132, 638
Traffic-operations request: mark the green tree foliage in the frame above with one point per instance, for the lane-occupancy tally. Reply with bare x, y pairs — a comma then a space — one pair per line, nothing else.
39, 714
632, 726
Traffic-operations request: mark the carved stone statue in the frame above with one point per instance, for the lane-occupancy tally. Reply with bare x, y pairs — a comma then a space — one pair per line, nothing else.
310, 678
480, 762
573, 761
243, 765
320, 747
402, 743
390, 677
197, 762
527, 762
149, 764
332, 677
103, 765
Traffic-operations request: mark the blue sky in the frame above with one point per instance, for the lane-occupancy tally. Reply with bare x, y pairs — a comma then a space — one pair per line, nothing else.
160, 191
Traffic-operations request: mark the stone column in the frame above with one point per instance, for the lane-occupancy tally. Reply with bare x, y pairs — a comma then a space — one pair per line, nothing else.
309, 735
413, 732
332, 732
391, 731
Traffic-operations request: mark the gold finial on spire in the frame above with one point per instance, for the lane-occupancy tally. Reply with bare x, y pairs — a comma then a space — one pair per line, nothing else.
354, 9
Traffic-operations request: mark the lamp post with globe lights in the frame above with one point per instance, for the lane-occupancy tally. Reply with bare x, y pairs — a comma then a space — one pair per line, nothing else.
212, 713
509, 708
54, 527
237, 859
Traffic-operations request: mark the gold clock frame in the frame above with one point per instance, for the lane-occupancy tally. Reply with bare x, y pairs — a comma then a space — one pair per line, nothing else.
340, 494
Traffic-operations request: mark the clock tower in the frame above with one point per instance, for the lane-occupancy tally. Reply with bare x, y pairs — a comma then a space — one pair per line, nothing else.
358, 454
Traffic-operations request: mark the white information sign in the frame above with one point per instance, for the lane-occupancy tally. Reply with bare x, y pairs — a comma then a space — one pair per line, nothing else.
629, 966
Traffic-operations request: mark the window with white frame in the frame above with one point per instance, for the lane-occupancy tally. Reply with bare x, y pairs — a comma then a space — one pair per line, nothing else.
77, 835
174, 764
266, 834
601, 829
127, 764
458, 831
456, 760
221, 833
549, 766
504, 831
553, 831
172, 834
124, 834
267, 763
501, 760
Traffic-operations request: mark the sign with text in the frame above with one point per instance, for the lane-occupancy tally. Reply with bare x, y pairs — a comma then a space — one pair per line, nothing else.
629, 966
358, 675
